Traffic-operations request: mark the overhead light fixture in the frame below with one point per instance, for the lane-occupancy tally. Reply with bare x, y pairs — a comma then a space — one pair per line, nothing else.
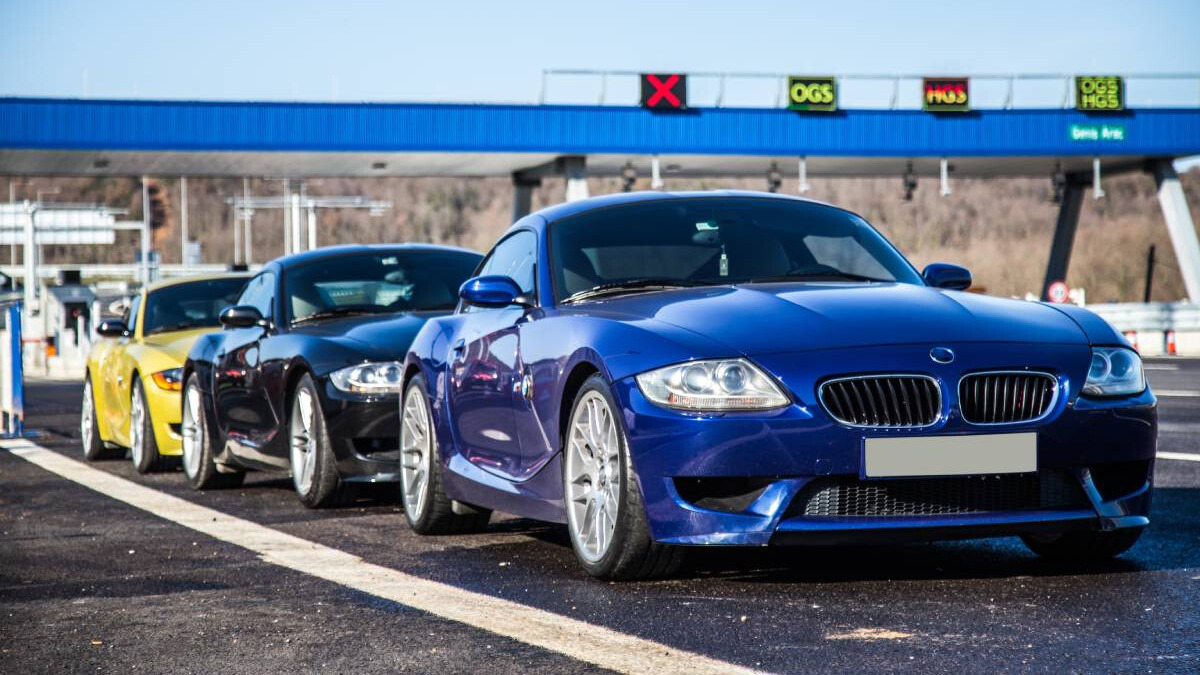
101, 163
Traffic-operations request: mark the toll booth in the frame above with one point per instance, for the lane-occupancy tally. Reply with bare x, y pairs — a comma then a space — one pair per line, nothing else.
67, 326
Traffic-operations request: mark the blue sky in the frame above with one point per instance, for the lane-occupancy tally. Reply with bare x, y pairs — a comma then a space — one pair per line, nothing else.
354, 50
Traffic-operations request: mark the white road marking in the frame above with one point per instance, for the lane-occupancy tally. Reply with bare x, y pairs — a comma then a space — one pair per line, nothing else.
1182, 393
1185, 456
1159, 366
579, 640
1179, 428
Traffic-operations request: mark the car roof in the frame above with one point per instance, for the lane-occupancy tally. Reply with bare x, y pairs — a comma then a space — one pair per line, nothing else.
567, 209
352, 249
166, 283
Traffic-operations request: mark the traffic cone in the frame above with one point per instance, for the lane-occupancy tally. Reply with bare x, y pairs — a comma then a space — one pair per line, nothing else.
1169, 340
1131, 335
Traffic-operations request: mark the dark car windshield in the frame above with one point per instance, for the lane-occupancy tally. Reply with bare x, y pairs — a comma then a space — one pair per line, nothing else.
194, 304
377, 283
690, 242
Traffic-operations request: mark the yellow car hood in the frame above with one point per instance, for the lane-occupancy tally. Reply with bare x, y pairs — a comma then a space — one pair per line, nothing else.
173, 346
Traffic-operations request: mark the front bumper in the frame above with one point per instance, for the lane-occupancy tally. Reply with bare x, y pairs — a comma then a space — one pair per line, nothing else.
165, 411
364, 432
740, 478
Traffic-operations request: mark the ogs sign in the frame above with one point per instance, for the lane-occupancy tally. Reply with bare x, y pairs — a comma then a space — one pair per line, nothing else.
812, 93
1099, 93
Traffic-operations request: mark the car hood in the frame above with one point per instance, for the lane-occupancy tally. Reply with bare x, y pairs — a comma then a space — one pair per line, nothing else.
766, 318
174, 345
375, 336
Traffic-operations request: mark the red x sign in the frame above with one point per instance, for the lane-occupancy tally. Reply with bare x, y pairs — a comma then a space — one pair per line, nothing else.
664, 91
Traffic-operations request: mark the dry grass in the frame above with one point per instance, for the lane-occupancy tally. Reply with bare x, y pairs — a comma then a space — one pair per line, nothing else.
1001, 229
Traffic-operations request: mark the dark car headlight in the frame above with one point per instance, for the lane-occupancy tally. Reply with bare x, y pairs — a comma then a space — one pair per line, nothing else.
714, 385
1114, 371
384, 377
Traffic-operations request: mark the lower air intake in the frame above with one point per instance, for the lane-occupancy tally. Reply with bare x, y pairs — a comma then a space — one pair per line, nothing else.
837, 497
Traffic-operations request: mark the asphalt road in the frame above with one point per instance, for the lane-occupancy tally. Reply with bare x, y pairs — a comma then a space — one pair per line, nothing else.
91, 584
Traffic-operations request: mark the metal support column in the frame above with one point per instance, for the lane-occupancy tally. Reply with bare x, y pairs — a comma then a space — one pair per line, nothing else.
1179, 226
297, 243
523, 187
574, 169
145, 243
247, 229
287, 217
29, 250
1064, 232
312, 226
183, 221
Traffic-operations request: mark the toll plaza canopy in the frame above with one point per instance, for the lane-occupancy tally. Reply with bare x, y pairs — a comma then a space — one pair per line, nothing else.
527, 142
199, 138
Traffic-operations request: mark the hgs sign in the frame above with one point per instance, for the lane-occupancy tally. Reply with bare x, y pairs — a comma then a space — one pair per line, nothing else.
812, 93
945, 94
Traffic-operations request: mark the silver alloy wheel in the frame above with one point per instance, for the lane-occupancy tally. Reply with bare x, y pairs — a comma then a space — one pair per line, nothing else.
86, 415
137, 420
593, 476
193, 439
416, 453
304, 442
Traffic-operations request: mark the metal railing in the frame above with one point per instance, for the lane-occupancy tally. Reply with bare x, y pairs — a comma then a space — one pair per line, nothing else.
877, 90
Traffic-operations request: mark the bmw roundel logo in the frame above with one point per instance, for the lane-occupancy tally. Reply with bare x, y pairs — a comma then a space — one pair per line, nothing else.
941, 354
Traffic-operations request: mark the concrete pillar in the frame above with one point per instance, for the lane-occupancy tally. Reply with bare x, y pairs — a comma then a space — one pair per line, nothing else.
1064, 232
1179, 225
523, 188
574, 169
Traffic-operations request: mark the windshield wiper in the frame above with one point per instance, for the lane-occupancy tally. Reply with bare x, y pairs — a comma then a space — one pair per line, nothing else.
628, 285
821, 274
335, 312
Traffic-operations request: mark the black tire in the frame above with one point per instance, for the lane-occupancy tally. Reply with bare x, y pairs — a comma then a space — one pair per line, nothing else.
437, 513
150, 460
1082, 547
206, 476
326, 489
94, 447
632, 554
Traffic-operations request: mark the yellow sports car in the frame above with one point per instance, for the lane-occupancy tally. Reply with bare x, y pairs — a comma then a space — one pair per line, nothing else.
131, 388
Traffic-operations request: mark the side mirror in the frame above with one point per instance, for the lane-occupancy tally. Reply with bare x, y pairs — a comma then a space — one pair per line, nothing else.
112, 328
242, 316
945, 275
492, 291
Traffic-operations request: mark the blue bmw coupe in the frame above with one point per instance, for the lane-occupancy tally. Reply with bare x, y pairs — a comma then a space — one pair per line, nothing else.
661, 370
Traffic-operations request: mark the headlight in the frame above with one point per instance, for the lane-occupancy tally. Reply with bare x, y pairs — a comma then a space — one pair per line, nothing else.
1115, 371
725, 384
171, 380
370, 378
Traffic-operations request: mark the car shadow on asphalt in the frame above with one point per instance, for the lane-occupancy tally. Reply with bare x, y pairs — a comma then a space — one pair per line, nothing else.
1169, 544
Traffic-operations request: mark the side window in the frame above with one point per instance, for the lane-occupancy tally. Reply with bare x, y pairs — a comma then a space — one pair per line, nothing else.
514, 257
260, 294
131, 313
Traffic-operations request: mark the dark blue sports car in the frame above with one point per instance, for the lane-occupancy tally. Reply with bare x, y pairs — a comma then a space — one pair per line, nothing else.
665, 370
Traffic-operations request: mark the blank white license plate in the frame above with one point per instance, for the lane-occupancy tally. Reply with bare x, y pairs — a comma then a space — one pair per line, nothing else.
949, 455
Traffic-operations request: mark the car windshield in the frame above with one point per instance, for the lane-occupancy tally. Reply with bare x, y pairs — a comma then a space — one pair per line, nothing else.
377, 283
195, 304
708, 241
